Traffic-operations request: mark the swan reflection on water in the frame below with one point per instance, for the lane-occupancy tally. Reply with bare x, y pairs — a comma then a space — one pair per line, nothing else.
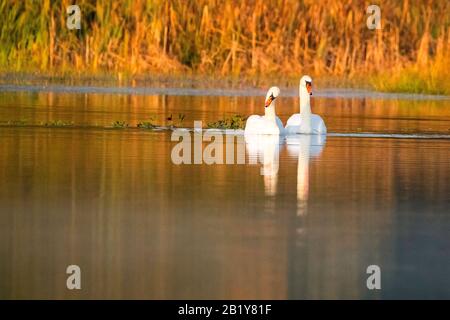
266, 150
305, 147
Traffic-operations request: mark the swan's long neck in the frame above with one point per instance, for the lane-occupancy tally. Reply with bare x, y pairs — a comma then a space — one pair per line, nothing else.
270, 112
305, 98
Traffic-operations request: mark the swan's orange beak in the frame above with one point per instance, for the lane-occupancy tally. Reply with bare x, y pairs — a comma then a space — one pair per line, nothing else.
269, 101
309, 88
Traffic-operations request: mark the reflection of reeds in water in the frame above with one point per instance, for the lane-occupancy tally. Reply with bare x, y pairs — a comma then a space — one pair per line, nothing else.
384, 115
227, 37
339, 114
137, 225
140, 227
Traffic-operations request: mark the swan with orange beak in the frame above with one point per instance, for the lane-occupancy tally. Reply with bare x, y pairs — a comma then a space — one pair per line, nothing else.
269, 123
305, 122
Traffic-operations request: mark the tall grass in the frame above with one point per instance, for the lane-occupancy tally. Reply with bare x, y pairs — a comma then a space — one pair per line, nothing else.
425, 75
229, 38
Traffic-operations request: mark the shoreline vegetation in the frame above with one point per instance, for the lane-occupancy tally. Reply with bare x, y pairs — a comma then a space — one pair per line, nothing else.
229, 43
180, 81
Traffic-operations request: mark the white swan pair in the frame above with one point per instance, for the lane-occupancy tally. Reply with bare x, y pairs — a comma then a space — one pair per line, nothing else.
304, 122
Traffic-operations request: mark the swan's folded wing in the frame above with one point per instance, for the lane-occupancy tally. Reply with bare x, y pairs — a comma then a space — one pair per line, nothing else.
253, 124
294, 120
318, 124
293, 124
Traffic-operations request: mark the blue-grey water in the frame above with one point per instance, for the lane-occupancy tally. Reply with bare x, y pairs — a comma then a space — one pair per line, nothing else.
375, 191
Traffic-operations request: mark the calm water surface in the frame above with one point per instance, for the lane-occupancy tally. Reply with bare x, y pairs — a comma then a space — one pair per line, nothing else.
139, 226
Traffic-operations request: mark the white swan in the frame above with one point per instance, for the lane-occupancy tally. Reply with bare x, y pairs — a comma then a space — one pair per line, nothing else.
269, 123
305, 122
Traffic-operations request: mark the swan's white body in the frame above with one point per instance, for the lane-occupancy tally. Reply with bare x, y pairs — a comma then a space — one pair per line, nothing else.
305, 122
263, 125
269, 123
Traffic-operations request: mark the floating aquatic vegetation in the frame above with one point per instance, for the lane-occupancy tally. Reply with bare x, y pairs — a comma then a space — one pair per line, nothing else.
120, 125
234, 122
17, 123
176, 123
146, 125
57, 123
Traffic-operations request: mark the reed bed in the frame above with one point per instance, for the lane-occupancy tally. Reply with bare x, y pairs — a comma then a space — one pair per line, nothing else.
230, 38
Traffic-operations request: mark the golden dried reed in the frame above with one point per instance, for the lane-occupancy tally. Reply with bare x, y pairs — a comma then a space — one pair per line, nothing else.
230, 37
